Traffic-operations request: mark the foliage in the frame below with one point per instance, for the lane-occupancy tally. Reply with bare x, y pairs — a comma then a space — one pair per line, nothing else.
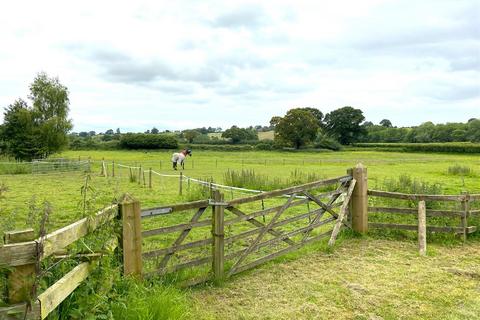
454, 147
296, 128
344, 124
39, 130
386, 123
156, 302
190, 135
325, 142
425, 133
238, 135
148, 141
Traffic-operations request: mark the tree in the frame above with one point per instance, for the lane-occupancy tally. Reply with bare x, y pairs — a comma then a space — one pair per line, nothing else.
190, 135
237, 134
117, 131
41, 129
316, 113
386, 123
154, 130
109, 131
344, 124
297, 127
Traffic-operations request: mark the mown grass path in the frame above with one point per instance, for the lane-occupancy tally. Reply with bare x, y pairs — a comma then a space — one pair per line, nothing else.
361, 279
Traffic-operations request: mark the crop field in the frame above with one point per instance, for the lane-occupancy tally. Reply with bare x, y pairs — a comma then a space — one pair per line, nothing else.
311, 278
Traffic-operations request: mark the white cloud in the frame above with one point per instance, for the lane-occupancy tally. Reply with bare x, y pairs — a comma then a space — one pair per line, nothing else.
216, 63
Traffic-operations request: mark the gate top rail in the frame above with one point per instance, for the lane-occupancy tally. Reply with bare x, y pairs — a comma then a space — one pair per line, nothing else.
290, 190
419, 197
151, 212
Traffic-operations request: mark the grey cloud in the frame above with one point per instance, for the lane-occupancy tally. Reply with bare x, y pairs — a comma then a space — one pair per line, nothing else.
246, 17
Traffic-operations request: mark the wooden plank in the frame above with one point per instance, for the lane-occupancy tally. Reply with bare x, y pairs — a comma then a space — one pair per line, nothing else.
131, 238
24, 253
173, 249
341, 215
151, 212
279, 253
178, 227
290, 190
188, 264
181, 237
261, 235
258, 224
413, 211
422, 229
218, 236
55, 294
415, 197
414, 227
18, 236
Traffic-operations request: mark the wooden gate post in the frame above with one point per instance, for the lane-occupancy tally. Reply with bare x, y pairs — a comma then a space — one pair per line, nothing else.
131, 242
21, 278
359, 202
218, 236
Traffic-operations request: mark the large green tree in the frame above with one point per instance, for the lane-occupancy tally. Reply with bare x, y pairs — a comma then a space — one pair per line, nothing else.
344, 124
41, 129
297, 128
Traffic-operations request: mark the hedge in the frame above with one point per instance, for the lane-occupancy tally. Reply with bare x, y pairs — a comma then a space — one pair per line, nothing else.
148, 141
448, 147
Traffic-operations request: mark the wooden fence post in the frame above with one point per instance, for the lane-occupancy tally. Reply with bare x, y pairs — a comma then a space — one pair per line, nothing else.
21, 278
113, 168
180, 183
465, 214
422, 228
131, 242
140, 175
218, 236
150, 178
359, 202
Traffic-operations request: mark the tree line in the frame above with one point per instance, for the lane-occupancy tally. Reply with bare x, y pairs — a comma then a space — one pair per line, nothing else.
41, 128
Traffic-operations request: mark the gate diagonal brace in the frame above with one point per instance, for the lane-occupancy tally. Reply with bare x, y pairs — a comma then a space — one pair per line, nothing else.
259, 224
261, 235
180, 238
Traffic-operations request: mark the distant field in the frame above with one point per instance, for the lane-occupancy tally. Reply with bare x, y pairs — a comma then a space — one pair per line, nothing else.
267, 135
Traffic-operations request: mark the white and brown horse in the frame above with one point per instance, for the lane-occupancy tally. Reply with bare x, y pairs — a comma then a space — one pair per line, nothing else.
179, 158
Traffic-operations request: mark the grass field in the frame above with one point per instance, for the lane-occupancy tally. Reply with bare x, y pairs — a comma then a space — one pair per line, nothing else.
311, 291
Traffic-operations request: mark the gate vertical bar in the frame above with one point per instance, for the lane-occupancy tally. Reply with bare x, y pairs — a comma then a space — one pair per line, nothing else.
218, 236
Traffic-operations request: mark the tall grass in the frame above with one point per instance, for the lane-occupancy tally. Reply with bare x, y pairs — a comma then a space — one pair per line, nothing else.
459, 170
248, 178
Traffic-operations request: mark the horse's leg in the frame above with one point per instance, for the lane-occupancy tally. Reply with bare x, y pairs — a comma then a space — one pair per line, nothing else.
174, 165
183, 165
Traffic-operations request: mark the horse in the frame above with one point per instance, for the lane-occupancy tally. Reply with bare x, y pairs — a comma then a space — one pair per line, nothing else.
179, 157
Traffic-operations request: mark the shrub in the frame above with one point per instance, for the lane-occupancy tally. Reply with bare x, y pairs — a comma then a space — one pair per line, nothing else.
148, 141
325, 142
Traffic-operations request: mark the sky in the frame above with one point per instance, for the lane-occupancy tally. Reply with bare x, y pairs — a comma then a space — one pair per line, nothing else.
135, 65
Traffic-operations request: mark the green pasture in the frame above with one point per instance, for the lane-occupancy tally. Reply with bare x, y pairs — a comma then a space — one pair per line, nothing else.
62, 190
23, 196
